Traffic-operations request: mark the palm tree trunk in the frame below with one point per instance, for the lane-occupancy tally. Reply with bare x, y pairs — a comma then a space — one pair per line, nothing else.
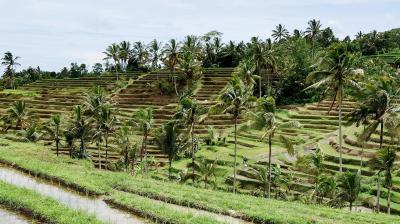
145, 153
57, 147
174, 80
234, 159
106, 137
193, 156
170, 168
98, 151
388, 200
259, 86
378, 192
269, 165
381, 136
351, 205
82, 148
362, 152
340, 131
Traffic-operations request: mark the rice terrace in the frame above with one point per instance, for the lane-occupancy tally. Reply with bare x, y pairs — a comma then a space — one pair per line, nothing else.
186, 112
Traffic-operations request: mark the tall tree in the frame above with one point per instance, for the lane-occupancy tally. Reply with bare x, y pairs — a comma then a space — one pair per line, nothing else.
124, 54
335, 71
81, 128
235, 99
190, 113
280, 32
264, 119
350, 186
10, 62
312, 32
113, 52
171, 52
140, 53
53, 130
383, 161
128, 149
143, 120
155, 52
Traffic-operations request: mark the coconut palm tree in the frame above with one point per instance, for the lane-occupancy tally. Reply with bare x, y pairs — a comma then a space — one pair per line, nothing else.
19, 113
139, 53
190, 113
124, 54
280, 32
171, 52
10, 62
235, 100
312, 32
205, 171
108, 122
94, 101
191, 68
31, 133
128, 149
382, 108
350, 186
155, 52
246, 70
264, 57
143, 121
360, 116
384, 162
81, 128
53, 130
171, 140
192, 44
264, 119
69, 139
113, 52
335, 71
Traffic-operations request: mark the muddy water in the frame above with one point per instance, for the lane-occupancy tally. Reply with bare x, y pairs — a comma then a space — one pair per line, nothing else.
7, 217
91, 205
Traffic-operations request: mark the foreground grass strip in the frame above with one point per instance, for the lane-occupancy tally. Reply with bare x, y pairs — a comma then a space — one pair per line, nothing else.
41, 208
37, 159
157, 212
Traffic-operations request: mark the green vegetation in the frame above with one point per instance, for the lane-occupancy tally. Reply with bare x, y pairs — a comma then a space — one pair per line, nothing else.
41, 208
83, 176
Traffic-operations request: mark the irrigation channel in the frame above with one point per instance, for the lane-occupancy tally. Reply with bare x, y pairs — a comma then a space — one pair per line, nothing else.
7, 217
92, 205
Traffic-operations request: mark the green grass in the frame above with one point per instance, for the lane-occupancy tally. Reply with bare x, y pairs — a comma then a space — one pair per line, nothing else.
40, 207
162, 211
19, 92
38, 159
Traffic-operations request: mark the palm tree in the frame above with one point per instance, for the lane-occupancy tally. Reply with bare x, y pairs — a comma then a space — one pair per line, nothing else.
94, 101
192, 44
191, 68
10, 62
124, 54
81, 128
235, 99
190, 113
113, 52
359, 117
143, 120
312, 32
140, 53
264, 119
263, 56
280, 32
359, 35
128, 150
170, 139
19, 113
384, 162
171, 51
334, 72
246, 70
31, 133
350, 186
53, 130
70, 141
205, 171
154, 49
382, 108
108, 122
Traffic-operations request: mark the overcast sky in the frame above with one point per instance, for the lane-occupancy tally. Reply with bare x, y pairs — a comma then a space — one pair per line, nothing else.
53, 33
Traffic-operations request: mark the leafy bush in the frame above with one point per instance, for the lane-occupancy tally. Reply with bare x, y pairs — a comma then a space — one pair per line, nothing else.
164, 87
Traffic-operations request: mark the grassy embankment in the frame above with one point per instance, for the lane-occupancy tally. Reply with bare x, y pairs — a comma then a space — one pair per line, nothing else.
38, 160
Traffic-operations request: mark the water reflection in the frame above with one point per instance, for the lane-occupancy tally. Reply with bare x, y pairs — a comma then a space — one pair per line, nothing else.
94, 206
